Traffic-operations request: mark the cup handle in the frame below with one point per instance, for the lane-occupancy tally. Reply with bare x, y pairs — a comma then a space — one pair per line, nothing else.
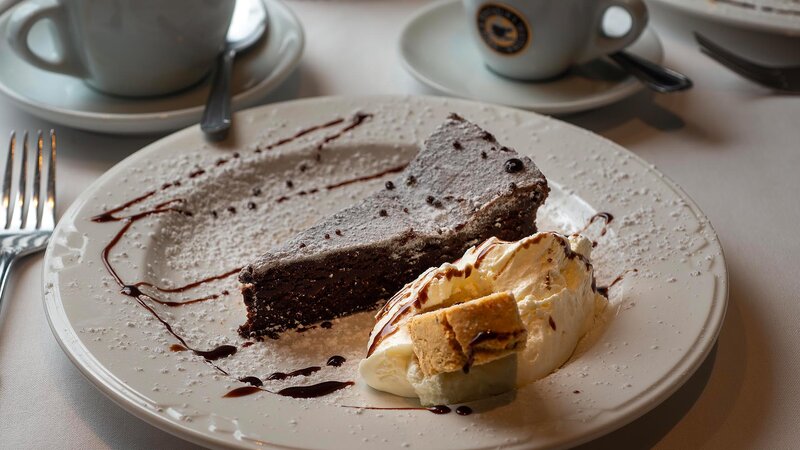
25, 16
602, 44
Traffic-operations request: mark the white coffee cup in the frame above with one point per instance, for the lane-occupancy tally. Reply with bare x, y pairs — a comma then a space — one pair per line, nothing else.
540, 39
127, 47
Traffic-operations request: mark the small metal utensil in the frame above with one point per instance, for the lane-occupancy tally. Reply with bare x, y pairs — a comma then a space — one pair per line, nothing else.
249, 23
27, 221
656, 77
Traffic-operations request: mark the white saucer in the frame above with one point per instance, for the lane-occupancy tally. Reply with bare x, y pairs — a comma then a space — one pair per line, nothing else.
436, 48
68, 101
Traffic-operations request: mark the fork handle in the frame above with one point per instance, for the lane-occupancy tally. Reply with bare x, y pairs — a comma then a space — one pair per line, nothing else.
6, 260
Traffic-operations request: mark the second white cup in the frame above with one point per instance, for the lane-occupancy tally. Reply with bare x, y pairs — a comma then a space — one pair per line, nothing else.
540, 39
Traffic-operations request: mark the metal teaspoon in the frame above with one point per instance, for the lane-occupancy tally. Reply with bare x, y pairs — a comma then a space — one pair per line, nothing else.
248, 24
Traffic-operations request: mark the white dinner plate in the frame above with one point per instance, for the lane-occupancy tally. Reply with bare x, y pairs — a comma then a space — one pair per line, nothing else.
237, 198
764, 31
775, 16
437, 49
69, 101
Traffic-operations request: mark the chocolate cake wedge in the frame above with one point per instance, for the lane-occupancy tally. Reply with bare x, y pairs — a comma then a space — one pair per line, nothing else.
462, 188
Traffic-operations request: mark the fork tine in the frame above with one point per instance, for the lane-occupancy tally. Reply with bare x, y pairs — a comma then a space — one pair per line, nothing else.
49, 212
7, 205
34, 217
21, 209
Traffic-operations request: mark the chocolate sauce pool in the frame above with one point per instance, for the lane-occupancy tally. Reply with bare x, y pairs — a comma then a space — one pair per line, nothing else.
253, 381
296, 373
310, 391
463, 410
335, 361
314, 390
242, 391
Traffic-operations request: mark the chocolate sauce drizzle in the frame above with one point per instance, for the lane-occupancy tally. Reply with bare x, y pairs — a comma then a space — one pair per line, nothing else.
484, 336
336, 361
394, 323
463, 410
437, 409
242, 391
131, 290
314, 390
390, 328
223, 351
606, 217
357, 119
310, 391
304, 372
374, 176
174, 206
135, 289
331, 187
603, 290
253, 381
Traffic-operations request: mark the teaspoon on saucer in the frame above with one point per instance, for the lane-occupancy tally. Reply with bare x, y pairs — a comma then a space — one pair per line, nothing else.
247, 26
656, 77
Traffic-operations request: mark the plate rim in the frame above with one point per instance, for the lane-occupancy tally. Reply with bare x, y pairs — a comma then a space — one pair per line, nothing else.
746, 21
150, 122
627, 89
125, 397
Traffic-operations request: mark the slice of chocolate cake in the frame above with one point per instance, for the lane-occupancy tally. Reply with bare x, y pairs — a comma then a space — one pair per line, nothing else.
462, 188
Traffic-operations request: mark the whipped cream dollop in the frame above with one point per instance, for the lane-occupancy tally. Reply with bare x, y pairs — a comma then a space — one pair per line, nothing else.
552, 280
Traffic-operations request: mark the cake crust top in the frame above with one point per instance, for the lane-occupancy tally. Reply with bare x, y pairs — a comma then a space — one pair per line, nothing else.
460, 170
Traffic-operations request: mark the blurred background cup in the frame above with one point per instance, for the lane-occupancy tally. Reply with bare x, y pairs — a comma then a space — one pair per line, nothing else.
127, 47
541, 39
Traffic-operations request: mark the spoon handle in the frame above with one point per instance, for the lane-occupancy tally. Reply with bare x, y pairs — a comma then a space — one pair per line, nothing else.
656, 77
217, 116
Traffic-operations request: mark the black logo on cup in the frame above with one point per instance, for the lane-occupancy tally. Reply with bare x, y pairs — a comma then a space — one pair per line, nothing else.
503, 29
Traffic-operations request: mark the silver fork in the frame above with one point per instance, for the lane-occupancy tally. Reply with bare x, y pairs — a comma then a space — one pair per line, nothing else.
26, 221
780, 78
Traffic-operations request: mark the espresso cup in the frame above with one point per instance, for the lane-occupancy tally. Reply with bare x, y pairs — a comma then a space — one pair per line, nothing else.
127, 47
540, 39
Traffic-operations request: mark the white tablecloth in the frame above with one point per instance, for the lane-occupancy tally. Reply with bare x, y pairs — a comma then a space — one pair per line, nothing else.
733, 146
